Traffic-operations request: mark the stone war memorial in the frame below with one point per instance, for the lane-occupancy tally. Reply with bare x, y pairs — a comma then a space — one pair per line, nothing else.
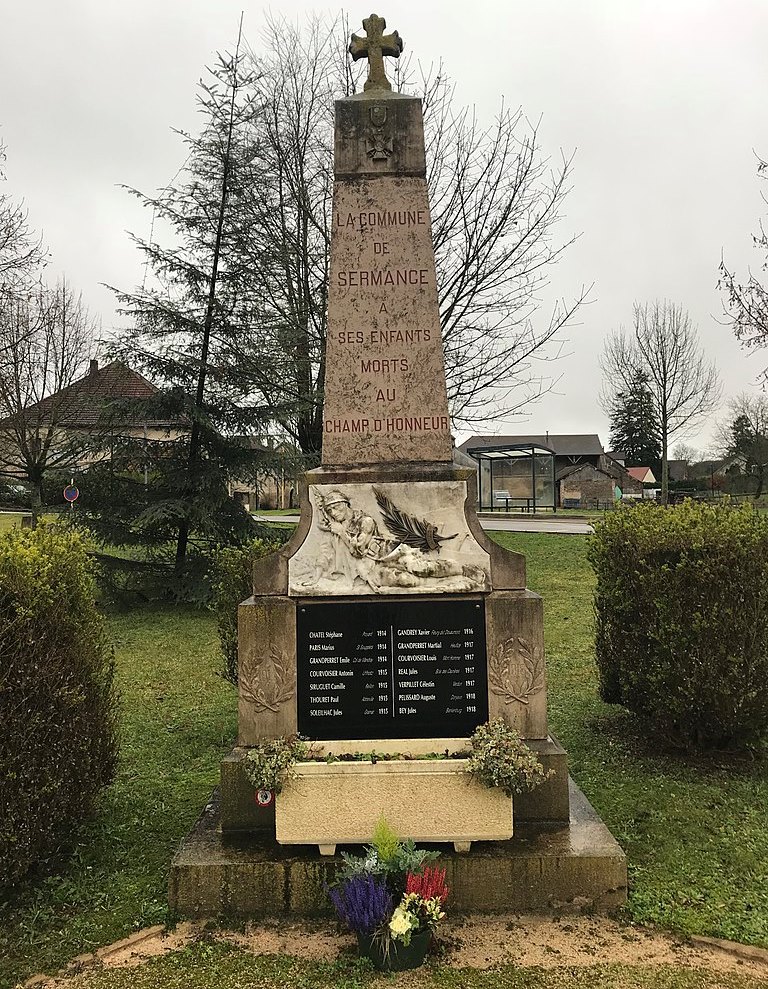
390, 623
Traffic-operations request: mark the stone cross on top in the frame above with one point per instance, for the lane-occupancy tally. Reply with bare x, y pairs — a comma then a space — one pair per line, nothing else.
374, 47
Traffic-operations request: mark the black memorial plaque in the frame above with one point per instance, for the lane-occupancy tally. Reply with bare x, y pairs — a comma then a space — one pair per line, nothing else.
391, 669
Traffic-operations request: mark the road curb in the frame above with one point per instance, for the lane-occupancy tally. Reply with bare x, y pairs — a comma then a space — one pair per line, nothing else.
748, 952
80, 962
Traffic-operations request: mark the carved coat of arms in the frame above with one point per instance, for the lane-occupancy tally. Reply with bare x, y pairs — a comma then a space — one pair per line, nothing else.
378, 140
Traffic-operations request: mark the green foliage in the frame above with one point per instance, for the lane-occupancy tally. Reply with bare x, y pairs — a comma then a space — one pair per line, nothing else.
269, 765
386, 856
385, 841
635, 426
681, 611
232, 583
500, 758
58, 746
121, 505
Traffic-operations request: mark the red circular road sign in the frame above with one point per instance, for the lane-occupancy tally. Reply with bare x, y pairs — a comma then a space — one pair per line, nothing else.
71, 493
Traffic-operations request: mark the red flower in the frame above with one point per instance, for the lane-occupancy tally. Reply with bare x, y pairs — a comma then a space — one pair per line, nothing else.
429, 884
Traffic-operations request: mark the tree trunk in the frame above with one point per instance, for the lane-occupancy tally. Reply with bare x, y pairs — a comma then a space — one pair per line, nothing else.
194, 440
664, 468
37, 501
181, 548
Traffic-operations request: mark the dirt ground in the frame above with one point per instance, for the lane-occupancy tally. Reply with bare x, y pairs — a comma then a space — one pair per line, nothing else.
473, 941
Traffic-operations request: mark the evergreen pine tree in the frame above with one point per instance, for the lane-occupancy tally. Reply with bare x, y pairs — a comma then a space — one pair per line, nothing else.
187, 319
635, 425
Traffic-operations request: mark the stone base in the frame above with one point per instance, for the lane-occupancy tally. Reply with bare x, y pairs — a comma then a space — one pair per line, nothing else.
545, 868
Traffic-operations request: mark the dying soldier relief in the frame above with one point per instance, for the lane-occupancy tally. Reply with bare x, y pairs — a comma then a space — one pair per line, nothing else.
389, 539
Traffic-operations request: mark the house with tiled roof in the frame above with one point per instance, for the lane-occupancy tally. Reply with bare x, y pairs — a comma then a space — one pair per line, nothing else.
84, 405
643, 474
64, 431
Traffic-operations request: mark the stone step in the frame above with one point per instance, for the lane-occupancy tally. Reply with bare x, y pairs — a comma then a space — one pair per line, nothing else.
545, 868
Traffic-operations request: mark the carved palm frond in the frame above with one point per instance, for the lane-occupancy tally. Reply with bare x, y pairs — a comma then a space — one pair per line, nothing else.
407, 528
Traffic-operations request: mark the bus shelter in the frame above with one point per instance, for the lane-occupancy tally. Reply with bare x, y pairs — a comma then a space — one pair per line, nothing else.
515, 477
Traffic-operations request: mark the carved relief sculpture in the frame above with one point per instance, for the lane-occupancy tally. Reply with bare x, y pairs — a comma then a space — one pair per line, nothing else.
268, 682
516, 670
354, 547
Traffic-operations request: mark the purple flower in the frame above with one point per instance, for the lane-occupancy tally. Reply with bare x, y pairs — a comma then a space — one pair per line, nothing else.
363, 903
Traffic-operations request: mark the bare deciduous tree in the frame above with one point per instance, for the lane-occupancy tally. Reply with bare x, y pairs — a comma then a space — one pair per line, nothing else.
20, 249
744, 434
663, 345
46, 338
686, 453
495, 202
746, 303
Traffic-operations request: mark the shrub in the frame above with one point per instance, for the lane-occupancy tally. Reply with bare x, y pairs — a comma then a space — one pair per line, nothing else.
681, 620
58, 744
232, 583
270, 765
500, 758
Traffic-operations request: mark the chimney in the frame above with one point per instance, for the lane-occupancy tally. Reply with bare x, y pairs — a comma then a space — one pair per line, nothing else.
94, 369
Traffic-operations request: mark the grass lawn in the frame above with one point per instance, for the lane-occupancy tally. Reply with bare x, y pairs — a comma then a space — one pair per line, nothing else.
696, 832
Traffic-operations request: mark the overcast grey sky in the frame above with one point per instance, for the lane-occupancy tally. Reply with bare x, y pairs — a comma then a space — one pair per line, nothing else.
662, 100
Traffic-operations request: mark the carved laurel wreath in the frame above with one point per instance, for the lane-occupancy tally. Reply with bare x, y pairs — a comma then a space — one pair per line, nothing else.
516, 670
268, 683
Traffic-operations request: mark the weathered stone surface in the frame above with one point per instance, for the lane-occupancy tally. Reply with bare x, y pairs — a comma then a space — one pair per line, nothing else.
374, 46
578, 867
266, 669
385, 395
381, 135
549, 801
517, 670
363, 536
239, 809
428, 800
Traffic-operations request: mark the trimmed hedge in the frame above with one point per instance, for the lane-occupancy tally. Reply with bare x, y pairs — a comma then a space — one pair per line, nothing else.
58, 745
232, 583
681, 616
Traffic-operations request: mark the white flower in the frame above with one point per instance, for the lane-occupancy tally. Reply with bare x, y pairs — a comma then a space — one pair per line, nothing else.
400, 923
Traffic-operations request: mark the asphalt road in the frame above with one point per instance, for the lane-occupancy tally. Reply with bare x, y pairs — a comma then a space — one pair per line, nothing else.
505, 525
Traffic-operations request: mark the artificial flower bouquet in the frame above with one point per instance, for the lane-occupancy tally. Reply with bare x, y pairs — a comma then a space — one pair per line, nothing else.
391, 899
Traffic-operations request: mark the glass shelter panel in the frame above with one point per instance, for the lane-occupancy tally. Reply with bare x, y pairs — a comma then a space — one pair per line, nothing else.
544, 474
515, 478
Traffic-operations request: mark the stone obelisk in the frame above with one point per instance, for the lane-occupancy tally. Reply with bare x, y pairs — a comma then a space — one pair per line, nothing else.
385, 394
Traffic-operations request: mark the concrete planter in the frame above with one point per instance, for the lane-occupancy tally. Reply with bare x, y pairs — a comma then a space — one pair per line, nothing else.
429, 800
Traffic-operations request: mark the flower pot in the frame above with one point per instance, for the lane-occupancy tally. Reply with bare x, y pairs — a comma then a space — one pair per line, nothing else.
389, 955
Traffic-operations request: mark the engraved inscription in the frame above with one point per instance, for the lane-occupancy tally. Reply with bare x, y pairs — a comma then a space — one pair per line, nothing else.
385, 383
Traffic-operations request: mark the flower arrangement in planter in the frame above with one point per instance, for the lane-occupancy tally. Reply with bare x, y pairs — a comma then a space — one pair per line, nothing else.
391, 899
